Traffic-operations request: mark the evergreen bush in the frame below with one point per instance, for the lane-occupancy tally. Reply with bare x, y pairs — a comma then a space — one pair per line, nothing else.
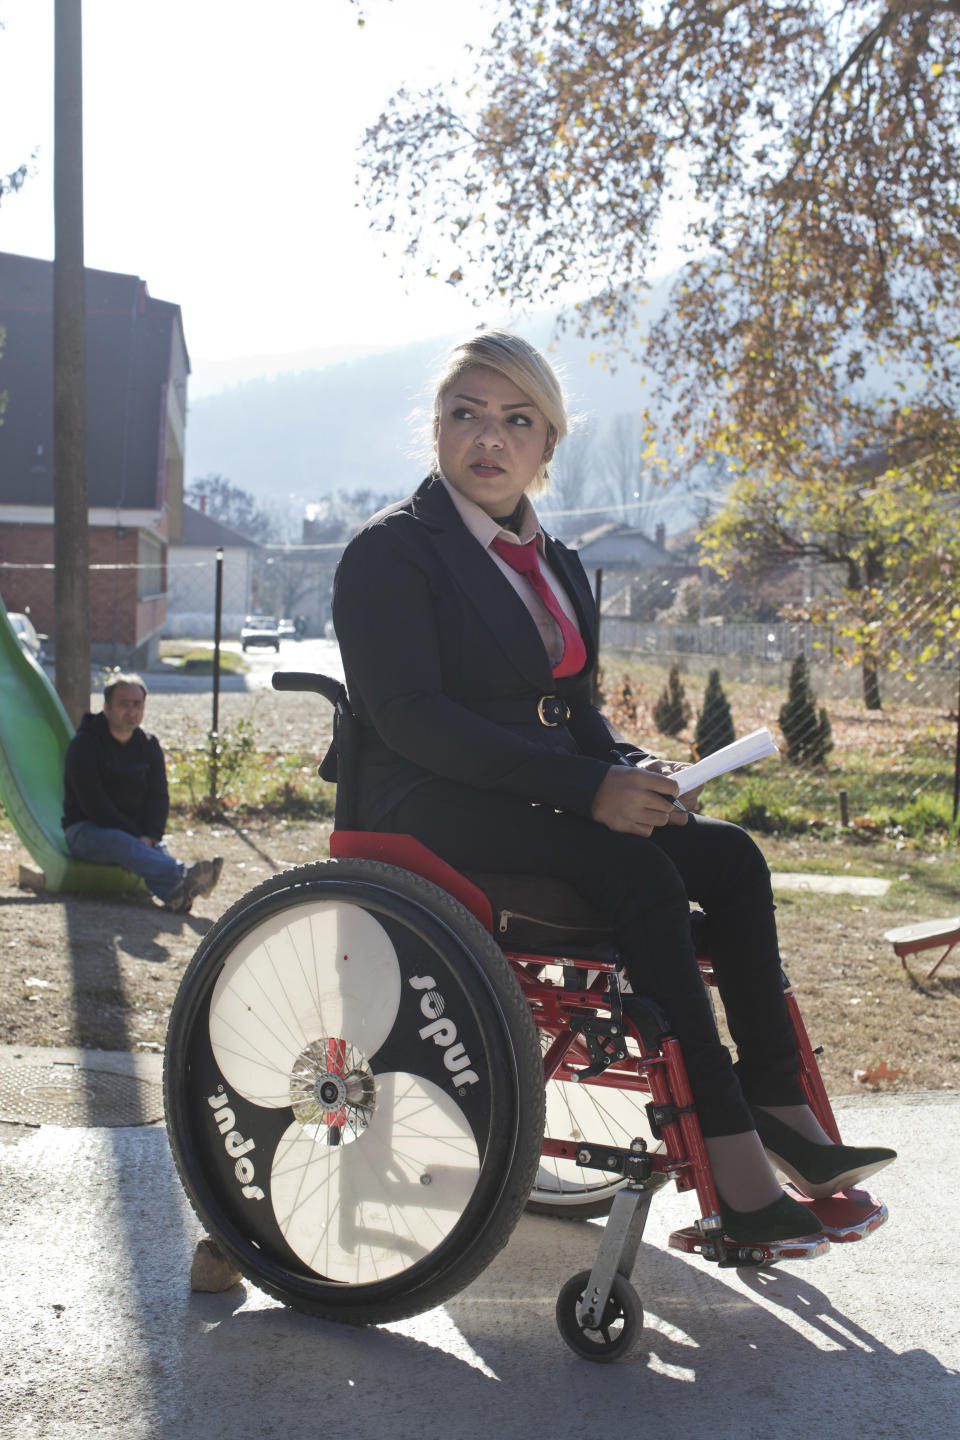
714, 723
808, 733
621, 709
671, 713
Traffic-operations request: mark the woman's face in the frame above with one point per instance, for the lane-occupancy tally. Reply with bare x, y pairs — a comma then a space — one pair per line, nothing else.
491, 439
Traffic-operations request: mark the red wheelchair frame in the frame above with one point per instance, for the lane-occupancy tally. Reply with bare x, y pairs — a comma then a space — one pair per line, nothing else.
596, 1312
282, 1051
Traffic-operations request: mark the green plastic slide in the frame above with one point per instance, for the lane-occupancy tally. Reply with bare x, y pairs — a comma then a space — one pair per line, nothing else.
34, 734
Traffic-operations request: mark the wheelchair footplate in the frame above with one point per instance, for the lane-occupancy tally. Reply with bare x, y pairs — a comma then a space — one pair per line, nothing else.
849, 1215
733, 1253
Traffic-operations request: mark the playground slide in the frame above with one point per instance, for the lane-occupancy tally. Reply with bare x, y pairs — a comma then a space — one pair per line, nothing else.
34, 734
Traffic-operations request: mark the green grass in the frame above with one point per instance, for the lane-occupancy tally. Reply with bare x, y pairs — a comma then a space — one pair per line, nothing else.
890, 772
198, 659
246, 781
780, 799
895, 769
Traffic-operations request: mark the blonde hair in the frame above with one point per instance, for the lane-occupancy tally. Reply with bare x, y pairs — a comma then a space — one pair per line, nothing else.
524, 366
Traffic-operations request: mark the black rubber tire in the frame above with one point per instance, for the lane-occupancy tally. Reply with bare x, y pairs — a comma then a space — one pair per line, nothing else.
621, 1324
271, 999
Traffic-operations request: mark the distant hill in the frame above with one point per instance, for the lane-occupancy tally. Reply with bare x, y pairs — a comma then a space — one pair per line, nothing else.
294, 433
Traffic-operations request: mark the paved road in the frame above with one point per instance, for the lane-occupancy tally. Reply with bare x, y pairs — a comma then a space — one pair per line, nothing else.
101, 1336
316, 655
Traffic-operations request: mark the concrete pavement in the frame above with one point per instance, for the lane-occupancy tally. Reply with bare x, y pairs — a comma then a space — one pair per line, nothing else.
101, 1336
322, 656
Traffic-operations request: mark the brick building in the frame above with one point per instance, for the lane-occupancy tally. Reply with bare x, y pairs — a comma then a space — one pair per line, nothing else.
137, 369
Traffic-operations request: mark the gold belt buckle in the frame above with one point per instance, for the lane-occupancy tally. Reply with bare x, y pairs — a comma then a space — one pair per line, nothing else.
560, 708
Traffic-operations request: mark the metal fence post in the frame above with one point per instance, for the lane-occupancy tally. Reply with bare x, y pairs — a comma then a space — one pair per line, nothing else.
215, 729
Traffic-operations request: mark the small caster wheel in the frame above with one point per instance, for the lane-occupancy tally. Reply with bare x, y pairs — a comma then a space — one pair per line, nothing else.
619, 1326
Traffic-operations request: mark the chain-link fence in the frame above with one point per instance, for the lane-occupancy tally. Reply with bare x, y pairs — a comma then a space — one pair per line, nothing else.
191, 593
843, 763
865, 746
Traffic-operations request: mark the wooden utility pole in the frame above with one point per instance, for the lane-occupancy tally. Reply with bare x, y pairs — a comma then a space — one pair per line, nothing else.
71, 589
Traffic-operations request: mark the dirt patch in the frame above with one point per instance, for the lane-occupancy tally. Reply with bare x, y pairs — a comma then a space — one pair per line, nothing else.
292, 723
101, 973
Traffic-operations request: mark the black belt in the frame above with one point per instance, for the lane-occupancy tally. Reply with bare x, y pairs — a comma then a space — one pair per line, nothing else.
547, 710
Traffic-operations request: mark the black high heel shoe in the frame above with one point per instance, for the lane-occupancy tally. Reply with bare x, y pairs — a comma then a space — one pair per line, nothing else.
783, 1219
817, 1170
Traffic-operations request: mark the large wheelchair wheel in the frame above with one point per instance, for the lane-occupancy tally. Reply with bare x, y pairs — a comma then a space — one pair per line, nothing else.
353, 1091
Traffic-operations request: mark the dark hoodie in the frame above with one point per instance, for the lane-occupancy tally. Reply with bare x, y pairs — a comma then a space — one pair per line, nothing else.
118, 787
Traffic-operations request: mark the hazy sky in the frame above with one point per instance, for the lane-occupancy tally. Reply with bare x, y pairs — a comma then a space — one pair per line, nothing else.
219, 140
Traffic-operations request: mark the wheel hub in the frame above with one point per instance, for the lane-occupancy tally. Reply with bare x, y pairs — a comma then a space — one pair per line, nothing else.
332, 1091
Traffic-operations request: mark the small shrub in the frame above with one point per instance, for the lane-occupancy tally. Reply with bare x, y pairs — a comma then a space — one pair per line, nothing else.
212, 775
808, 735
671, 713
714, 723
621, 708
923, 816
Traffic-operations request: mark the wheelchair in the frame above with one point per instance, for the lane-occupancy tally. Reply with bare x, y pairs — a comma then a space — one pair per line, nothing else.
375, 1064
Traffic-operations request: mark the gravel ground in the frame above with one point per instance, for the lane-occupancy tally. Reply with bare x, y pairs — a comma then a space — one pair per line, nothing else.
102, 973
280, 721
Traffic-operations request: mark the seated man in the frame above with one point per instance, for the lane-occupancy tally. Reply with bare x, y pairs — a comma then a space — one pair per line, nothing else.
116, 803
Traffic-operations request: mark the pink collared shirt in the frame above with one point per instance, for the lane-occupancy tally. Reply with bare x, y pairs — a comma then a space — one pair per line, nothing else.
485, 530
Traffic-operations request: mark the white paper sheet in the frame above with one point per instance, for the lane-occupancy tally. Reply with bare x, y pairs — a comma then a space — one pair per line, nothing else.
755, 746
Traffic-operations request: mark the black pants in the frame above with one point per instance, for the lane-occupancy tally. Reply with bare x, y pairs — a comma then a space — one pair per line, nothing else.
644, 886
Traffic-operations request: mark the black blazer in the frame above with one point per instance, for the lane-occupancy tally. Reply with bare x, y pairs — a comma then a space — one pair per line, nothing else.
445, 666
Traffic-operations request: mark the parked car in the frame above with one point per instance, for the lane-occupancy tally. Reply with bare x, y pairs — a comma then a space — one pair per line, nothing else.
27, 635
260, 630
287, 630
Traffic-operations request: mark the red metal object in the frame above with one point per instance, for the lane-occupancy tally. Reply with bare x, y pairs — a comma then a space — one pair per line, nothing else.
925, 935
408, 854
337, 1065
810, 1076
850, 1215
659, 1073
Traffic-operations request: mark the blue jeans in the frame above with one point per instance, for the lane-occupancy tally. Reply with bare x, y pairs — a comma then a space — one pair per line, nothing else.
103, 846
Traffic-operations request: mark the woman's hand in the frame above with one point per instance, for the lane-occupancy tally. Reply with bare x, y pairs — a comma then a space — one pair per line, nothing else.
691, 800
637, 801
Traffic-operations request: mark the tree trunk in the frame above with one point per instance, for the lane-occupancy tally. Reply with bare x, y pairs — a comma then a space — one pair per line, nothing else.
871, 682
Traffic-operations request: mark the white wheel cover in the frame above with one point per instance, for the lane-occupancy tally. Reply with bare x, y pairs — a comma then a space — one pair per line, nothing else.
362, 1212
312, 970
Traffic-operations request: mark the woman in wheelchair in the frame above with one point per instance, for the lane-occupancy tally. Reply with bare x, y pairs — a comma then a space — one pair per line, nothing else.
468, 641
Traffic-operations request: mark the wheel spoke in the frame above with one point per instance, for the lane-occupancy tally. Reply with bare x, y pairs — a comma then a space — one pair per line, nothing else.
599, 1114
352, 1089
365, 1211
323, 969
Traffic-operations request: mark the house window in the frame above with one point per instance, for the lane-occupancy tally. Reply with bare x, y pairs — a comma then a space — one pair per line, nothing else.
149, 566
